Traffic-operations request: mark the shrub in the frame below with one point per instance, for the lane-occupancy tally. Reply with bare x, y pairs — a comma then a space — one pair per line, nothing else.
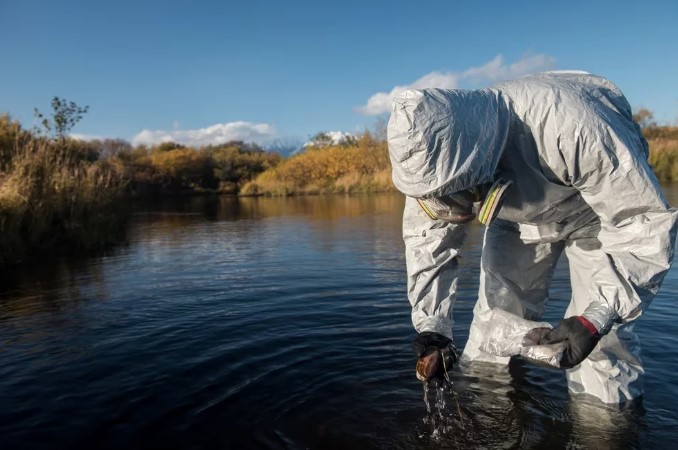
664, 158
330, 169
51, 195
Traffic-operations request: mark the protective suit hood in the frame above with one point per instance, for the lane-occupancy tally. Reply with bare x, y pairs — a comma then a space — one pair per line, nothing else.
443, 141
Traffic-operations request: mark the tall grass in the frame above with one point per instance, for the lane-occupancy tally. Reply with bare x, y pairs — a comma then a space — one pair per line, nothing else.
664, 158
51, 194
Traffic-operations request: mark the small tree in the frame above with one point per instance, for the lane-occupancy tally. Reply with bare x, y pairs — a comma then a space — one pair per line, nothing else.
65, 115
644, 118
379, 129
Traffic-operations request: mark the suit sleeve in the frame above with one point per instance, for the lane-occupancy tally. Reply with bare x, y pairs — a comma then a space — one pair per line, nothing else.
607, 162
431, 252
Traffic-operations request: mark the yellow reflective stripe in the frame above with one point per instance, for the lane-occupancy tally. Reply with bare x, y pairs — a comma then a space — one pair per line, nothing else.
487, 205
429, 212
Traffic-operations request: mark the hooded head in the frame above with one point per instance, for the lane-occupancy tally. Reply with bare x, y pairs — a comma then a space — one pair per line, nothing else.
446, 141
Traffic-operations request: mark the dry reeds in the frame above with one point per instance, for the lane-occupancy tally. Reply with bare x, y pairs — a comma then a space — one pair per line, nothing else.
664, 158
50, 195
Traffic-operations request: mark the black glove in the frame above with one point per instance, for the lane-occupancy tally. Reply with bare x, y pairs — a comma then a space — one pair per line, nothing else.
435, 355
580, 335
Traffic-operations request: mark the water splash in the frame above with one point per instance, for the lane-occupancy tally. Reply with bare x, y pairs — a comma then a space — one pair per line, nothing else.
426, 402
439, 422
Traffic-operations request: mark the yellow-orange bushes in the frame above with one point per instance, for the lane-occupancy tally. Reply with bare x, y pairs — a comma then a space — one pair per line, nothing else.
215, 169
232, 166
363, 167
182, 166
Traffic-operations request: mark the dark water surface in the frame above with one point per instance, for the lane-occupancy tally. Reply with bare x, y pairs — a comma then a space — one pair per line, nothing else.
281, 323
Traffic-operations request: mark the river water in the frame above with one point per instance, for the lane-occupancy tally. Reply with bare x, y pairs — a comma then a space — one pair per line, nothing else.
281, 323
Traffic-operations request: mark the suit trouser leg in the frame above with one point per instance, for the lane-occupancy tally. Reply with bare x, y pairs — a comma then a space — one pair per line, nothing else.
613, 372
515, 277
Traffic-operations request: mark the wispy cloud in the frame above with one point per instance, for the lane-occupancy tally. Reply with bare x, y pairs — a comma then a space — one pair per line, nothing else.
259, 133
494, 70
497, 70
381, 101
86, 137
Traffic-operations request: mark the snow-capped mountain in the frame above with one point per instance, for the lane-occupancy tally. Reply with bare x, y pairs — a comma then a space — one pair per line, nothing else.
326, 138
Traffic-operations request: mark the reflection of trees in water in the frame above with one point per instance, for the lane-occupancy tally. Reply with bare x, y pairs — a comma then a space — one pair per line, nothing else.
368, 227
325, 208
43, 299
329, 221
354, 231
51, 285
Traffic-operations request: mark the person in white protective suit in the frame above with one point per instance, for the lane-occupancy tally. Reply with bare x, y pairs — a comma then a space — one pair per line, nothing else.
559, 165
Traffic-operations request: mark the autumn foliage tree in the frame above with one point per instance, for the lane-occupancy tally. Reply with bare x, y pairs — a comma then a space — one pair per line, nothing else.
175, 168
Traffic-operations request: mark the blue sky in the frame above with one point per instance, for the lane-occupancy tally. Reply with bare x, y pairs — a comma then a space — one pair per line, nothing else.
204, 71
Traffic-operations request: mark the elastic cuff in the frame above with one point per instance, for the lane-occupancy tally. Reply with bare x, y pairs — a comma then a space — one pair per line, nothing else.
589, 326
436, 324
601, 315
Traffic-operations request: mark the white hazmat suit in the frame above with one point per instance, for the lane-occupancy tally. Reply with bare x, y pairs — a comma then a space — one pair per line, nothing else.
581, 184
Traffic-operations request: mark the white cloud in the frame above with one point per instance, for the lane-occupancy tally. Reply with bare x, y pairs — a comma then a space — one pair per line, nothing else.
381, 101
448, 80
494, 70
488, 71
259, 133
497, 70
86, 137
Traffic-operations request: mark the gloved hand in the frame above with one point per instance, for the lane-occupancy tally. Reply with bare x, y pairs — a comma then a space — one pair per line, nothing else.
435, 355
580, 336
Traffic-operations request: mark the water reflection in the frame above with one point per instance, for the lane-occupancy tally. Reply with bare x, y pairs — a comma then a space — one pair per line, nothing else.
229, 208
607, 427
324, 221
41, 301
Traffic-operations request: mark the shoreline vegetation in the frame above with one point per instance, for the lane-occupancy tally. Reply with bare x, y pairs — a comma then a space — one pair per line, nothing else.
54, 192
60, 193
360, 165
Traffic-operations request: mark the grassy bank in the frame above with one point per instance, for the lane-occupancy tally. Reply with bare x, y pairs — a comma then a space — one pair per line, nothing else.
663, 158
54, 193
358, 167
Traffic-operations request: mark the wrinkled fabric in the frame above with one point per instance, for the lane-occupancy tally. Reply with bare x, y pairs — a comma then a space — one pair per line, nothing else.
581, 184
509, 335
444, 141
431, 247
